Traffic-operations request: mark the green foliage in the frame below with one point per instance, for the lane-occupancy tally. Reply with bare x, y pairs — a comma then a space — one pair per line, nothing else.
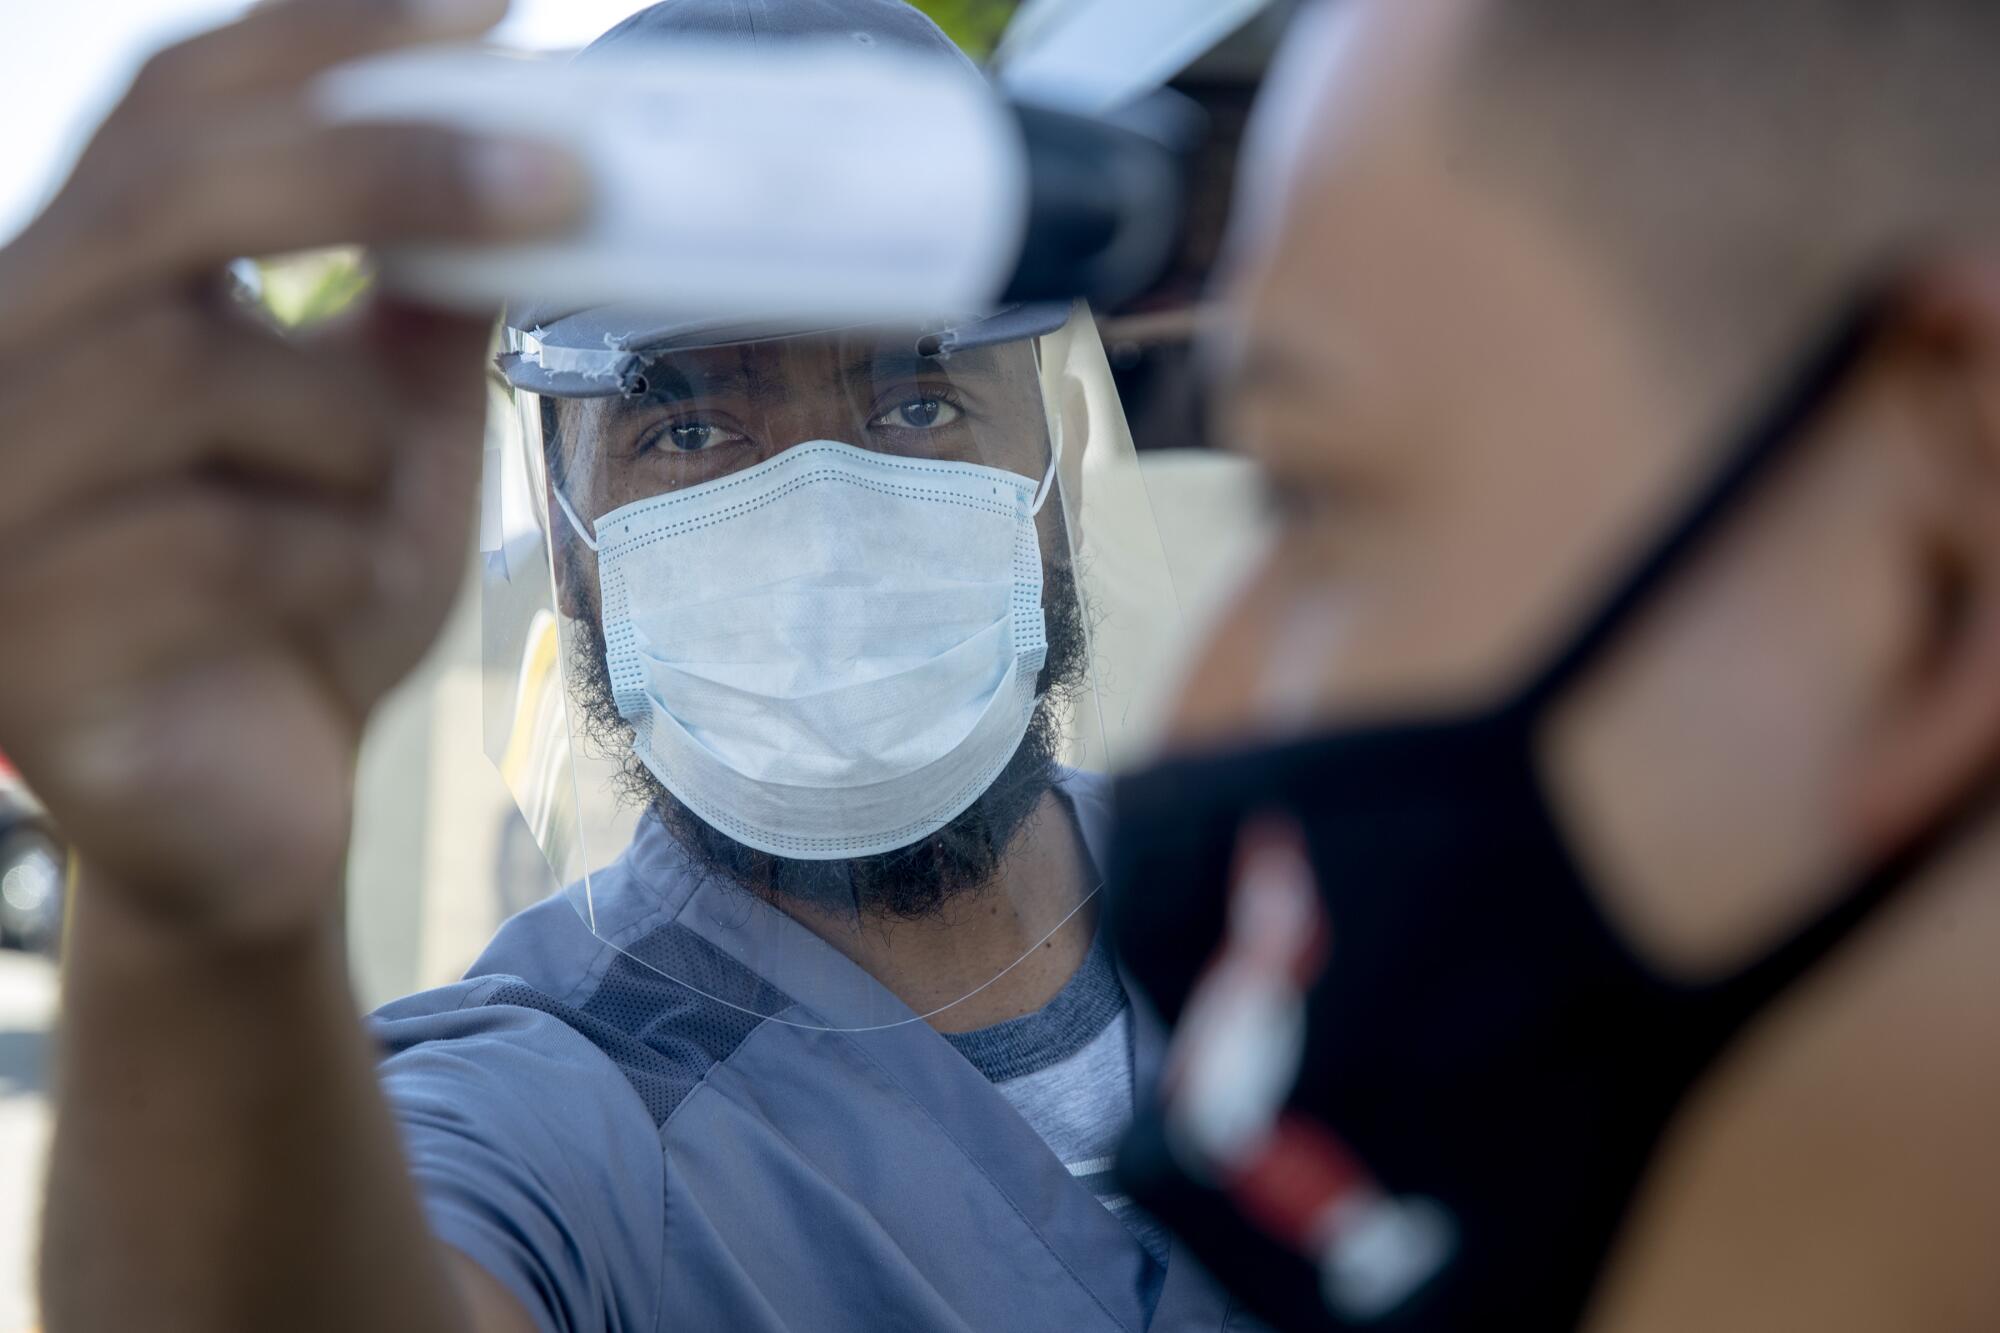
974, 24
306, 288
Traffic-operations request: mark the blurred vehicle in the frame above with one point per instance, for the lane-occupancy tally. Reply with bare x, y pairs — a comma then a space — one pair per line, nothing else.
31, 869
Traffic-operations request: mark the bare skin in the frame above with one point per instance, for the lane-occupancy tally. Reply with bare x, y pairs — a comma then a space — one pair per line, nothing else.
218, 548
1469, 421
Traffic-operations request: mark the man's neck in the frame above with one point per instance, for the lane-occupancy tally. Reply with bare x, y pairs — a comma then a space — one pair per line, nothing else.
989, 955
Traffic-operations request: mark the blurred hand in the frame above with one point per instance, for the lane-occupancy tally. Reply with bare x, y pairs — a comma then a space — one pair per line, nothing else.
219, 546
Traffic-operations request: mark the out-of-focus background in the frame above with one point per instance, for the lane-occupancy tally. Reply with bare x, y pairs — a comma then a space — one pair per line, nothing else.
440, 855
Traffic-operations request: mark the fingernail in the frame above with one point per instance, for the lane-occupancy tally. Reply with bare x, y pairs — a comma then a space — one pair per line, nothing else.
524, 184
456, 16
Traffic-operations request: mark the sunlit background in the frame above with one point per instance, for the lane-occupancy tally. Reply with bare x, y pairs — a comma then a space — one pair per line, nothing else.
64, 65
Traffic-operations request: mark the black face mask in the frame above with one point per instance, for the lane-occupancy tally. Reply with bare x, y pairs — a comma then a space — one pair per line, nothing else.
1421, 1074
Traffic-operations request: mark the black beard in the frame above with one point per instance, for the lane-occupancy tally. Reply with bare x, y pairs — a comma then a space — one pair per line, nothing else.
910, 883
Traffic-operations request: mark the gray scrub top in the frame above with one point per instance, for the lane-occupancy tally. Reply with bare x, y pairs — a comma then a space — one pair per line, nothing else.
625, 1153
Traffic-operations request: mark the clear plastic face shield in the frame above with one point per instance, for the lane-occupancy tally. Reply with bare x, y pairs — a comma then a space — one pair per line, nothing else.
807, 651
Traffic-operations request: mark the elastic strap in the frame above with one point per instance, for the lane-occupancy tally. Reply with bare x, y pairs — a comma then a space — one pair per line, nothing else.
575, 522
1049, 477
1819, 376
1756, 985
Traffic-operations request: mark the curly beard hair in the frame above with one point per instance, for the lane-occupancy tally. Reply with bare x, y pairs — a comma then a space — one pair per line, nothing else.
910, 883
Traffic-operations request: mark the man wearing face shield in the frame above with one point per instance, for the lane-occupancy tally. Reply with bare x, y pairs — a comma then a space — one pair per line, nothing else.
808, 772
844, 653
798, 646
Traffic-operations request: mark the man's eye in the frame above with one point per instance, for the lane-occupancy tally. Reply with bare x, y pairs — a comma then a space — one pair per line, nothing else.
690, 437
920, 414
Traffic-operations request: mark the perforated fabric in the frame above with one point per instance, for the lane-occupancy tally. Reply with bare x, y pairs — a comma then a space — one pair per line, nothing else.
662, 1035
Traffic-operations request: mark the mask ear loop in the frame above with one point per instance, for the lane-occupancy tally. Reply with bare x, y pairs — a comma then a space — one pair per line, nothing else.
1049, 477
574, 522
1818, 377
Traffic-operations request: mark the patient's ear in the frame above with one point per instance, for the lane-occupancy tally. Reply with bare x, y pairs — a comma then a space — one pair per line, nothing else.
1943, 734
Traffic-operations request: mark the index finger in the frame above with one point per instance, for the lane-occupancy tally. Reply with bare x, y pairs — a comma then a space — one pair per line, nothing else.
279, 45
270, 183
